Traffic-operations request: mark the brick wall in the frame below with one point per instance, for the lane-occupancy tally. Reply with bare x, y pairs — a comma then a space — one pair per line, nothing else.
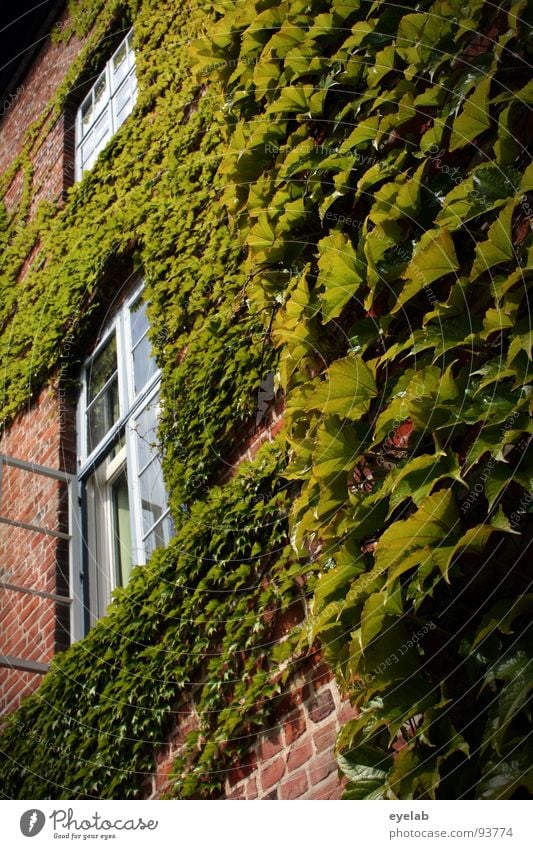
34, 626
51, 154
293, 759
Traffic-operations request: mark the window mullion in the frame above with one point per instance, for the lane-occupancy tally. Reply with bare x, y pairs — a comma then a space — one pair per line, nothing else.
124, 376
109, 78
134, 493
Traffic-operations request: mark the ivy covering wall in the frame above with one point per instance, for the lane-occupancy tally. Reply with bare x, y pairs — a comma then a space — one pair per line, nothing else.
381, 153
199, 619
342, 192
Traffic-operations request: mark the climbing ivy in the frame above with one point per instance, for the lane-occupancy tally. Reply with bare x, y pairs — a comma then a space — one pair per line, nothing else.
372, 158
379, 174
199, 619
195, 623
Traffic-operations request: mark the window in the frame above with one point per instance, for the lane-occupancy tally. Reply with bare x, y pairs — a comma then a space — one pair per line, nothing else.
106, 106
124, 503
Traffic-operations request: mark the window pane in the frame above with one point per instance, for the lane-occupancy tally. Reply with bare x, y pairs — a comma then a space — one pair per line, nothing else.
87, 113
119, 65
100, 94
139, 321
102, 131
124, 99
160, 536
120, 55
122, 529
153, 495
102, 414
88, 154
102, 369
146, 429
144, 364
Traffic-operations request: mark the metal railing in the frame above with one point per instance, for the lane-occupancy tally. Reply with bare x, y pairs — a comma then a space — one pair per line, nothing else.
71, 535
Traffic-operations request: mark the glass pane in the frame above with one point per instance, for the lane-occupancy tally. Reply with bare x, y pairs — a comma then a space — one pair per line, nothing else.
124, 100
120, 65
144, 364
146, 429
139, 321
121, 529
102, 369
160, 536
88, 154
102, 414
120, 55
100, 94
102, 131
87, 113
153, 495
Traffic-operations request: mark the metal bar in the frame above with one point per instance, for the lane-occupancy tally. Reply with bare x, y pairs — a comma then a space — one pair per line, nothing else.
60, 599
36, 468
75, 563
157, 521
37, 528
11, 662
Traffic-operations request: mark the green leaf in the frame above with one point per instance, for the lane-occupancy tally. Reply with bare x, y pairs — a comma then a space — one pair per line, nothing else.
502, 615
348, 389
516, 670
503, 777
474, 118
434, 258
417, 478
498, 477
409, 542
375, 610
292, 99
364, 133
367, 768
337, 446
498, 247
338, 275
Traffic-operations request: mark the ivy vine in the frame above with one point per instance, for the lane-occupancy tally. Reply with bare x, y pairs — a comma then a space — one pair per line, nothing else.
379, 172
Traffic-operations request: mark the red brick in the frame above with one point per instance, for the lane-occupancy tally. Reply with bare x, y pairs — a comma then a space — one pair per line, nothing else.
325, 737
299, 754
347, 712
288, 620
236, 793
271, 744
251, 789
294, 726
272, 773
321, 705
321, 767
162, 777
321, 675
243, 769
331, 788
294, 787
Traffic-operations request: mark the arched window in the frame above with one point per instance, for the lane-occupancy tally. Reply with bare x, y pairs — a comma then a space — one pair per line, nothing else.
124, 502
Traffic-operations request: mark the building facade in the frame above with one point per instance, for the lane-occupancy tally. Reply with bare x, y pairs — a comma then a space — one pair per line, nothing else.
265, 353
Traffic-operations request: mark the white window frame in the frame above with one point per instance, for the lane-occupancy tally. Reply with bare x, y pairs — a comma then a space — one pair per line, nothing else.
108, 106
102, 577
